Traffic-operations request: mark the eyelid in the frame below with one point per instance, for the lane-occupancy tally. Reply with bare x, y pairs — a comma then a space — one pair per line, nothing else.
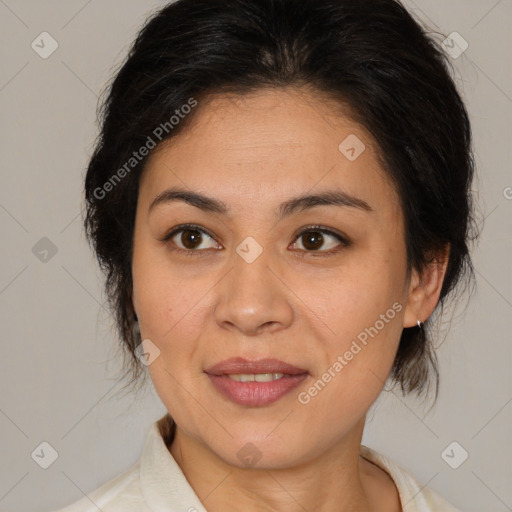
183, 227
324, 229
342, 238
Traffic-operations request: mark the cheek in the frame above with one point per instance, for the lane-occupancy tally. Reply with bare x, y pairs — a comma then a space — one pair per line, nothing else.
168, 302
358, 358
354, 296
361, 309
165, 308
152, 292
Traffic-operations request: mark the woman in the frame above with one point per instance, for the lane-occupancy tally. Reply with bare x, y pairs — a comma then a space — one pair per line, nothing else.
280, 200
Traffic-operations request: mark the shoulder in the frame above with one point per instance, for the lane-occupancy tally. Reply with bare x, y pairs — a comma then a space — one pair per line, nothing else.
413, 496
122, 493
155, 482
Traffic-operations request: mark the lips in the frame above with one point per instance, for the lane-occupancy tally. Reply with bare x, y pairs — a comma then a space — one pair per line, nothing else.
236, 380
239, 365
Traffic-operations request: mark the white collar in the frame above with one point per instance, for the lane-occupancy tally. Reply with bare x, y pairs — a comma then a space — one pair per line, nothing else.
164, 485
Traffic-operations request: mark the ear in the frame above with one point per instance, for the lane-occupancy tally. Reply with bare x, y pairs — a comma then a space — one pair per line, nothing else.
425, 289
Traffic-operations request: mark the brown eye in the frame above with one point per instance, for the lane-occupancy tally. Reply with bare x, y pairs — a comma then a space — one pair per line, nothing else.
312, 240
322, 241
190, 238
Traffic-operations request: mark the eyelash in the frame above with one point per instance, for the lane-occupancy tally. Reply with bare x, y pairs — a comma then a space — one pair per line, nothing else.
302, 253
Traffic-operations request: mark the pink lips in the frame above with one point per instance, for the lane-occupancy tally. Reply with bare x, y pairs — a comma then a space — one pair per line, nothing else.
255, 394
241, 365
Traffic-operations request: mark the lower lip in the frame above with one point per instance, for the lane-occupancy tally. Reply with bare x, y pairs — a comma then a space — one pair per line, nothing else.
255, 394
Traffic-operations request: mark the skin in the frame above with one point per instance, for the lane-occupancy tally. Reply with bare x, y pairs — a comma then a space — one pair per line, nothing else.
254, 152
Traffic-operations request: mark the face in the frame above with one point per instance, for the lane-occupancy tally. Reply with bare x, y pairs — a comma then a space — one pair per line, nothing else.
318, 284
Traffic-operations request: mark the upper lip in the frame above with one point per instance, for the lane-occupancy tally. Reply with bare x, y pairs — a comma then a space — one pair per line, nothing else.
238, 365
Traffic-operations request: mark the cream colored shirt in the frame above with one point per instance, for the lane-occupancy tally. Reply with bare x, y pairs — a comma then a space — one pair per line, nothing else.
157, 484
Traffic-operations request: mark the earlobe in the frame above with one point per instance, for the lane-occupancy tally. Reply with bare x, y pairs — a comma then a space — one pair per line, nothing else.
425, 289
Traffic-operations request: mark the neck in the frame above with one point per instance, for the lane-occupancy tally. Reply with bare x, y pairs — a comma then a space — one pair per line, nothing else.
334, 480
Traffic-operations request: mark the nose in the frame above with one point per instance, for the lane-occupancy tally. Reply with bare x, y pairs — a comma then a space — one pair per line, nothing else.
253, 298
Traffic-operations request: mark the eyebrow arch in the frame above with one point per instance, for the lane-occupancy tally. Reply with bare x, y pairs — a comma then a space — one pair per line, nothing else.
294, 205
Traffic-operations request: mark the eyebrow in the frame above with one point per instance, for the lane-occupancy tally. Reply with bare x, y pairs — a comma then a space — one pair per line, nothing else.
294, 205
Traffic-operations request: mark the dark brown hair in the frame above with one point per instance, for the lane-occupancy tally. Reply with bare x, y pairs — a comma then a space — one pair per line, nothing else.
369, 54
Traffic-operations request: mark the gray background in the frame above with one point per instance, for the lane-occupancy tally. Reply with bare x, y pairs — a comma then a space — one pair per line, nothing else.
59, 364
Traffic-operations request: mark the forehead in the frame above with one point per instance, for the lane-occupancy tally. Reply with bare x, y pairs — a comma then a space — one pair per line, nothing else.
275, 142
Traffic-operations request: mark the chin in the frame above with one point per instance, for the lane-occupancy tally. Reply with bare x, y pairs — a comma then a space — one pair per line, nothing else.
257, 452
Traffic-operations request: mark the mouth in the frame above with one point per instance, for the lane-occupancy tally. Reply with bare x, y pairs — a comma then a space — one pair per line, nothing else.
241, 366
255, 377
255, 383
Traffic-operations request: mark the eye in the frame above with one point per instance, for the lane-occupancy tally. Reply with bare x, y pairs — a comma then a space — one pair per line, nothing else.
189, 239
313, 240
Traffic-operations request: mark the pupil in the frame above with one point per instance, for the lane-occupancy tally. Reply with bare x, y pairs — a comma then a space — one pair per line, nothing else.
190, 236
313, 240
